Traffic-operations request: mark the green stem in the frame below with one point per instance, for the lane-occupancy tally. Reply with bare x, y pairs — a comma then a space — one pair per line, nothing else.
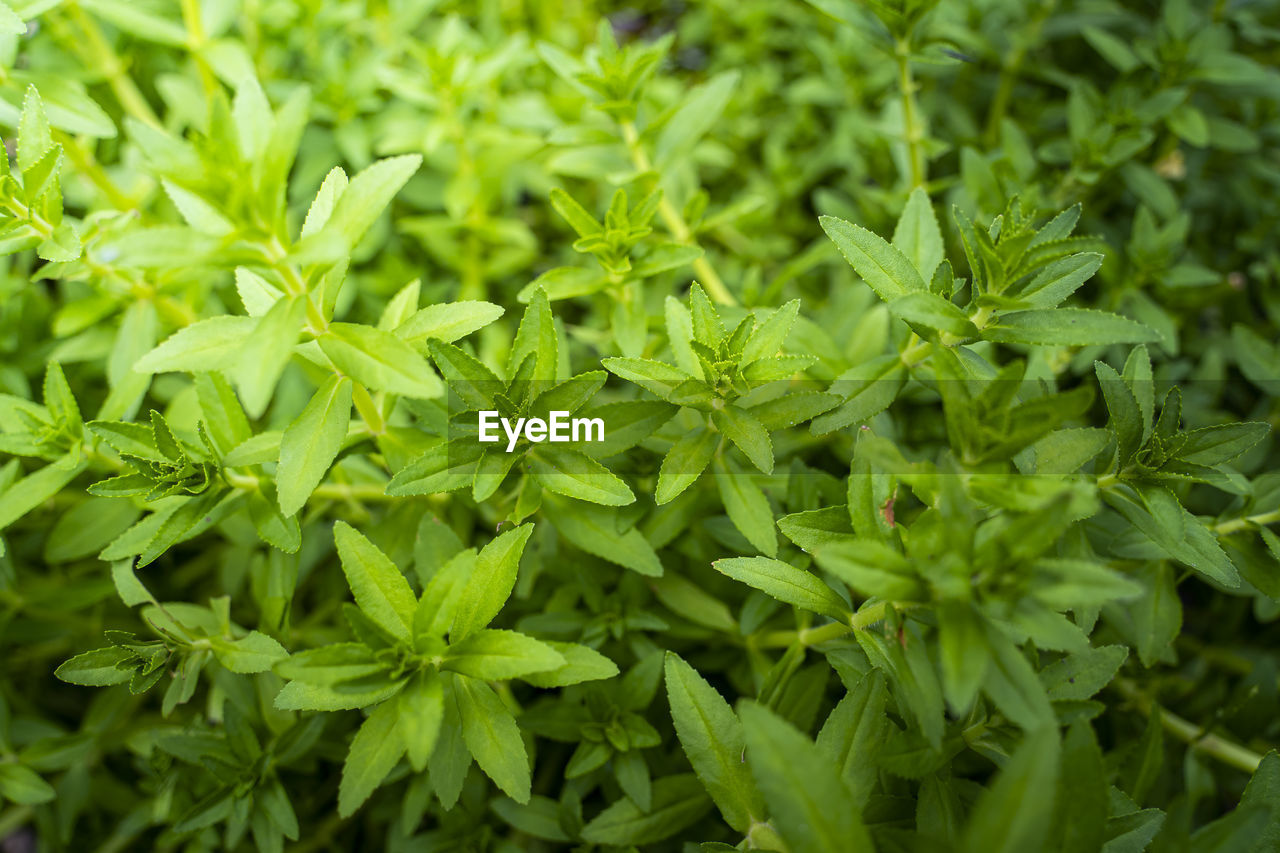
14, 819
675, 223
101, 55
368, 409
860, 621
88, 165
1012, 65
1235, 525
1195, 737
913, 130
195, 43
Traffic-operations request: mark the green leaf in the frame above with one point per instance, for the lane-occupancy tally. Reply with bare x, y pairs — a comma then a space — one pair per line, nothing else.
356, 209
266, 353
498, 655
1066, 327
747, 434
1013, 685
379, 361
576, 475
374, 752
748, 508
212, 344
696, 115
254, 653
379, 588
712, 738
872, 568
964, 652
677, 802
802, 787
311, 443
581, 663
421, 715
1060, 279
651, 375
1015, 813
38, 487
931, 311
884, 268
98, 668
10, 23
22, 785
490, 584
139, 21
1126, 416
684, 463
447, 322
1082, 806
768, 337
598, 530
492, 737
1082, 674
786, 583
917, 234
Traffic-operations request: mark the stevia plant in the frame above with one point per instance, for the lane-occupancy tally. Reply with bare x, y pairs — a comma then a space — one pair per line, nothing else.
932, 348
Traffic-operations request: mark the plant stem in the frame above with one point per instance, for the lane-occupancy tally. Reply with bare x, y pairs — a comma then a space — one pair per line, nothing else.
195, 43
368, 409
101, 55
675, 223
1011, 66
14, 819
860, 621
1228, 752
913, 131
1235, 525
90, 168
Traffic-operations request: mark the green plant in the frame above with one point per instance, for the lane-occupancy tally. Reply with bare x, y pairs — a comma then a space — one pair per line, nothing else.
948, 528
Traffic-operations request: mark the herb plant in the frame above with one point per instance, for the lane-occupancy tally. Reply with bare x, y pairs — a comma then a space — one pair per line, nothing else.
934, 351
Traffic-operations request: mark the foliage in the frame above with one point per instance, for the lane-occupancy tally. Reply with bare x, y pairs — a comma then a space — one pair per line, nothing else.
934, 345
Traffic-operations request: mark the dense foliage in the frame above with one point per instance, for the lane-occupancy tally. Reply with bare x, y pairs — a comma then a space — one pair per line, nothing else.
935, 348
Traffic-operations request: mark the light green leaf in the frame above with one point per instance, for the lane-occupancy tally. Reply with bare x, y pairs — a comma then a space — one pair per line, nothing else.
1015, 813
576, 475
712, 737
747, 434
785, 583
884, 268
677, 801
598, 530
494, 655
685, 462
490, 584
374, 752
420, 717
311, 443
254, 653
748, 509
581, 663
379, 360
206, 345
379, 588
1066, 327
266, 353
492, 737
448, 322
358, 206
917, 234
807, 799
696, 115
22, 785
